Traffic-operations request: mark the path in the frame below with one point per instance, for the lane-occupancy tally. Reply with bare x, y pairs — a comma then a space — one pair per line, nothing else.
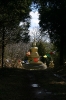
17, 84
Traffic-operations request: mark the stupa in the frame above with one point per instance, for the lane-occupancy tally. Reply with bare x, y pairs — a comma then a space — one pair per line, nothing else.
34, 56
34, 59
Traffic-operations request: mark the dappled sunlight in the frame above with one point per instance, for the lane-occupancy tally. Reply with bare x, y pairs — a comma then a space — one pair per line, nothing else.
61, 82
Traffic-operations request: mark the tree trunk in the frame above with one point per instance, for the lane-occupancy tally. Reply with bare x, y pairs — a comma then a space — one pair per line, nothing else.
61, 50
3, 36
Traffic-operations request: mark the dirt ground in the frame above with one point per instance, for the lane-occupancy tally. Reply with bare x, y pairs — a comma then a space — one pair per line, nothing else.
20, 84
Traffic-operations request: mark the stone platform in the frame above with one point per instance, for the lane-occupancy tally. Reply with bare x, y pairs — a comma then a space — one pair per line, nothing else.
35, 66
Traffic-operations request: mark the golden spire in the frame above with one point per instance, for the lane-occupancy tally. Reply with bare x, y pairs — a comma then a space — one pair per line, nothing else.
34, 42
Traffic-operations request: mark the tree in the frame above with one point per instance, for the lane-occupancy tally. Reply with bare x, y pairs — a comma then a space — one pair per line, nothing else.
11, 13
25, 37
53, 19
17, 34
16, 50
41, 48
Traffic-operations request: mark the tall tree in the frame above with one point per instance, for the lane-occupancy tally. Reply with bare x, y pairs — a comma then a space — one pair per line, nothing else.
53, 19
11, 13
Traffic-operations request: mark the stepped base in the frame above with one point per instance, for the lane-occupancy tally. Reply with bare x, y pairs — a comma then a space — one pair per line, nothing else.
35, 66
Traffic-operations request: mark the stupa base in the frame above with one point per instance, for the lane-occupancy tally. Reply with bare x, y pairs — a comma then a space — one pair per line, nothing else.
35, 66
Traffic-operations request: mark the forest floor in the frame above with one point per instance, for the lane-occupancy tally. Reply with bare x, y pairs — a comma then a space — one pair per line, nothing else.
21, 84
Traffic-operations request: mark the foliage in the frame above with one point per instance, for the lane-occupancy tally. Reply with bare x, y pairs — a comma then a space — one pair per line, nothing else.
41, 48
11, 13
53, 19
16, 50
25, 32
17, 34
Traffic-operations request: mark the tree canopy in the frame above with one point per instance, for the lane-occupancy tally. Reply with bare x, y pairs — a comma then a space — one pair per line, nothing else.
53, 20
41, 48
13, 11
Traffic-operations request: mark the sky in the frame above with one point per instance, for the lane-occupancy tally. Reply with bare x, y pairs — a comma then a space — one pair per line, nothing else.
34, 25
34, 15
34, 22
